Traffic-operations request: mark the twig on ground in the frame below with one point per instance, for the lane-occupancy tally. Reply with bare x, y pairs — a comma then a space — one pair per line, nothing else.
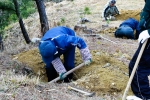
98, 36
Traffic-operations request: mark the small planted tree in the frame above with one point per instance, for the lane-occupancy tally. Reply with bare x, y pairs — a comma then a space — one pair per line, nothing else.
87, 11
83, 13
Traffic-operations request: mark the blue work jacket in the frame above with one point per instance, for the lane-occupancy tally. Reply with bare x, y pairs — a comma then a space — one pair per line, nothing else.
134, 24
63, 38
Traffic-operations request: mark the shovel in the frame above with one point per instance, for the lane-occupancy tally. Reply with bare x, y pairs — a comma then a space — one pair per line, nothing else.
134, 69
67, 73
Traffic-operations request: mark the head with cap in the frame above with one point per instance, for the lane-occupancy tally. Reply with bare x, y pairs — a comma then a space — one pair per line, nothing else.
124, 31
47, 50
112, 2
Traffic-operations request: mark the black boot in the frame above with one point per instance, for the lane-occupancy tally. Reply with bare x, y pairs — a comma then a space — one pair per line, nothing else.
68, 78
51, 73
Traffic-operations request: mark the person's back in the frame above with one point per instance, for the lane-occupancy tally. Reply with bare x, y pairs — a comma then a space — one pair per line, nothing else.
127, 28
133, 23
56, 31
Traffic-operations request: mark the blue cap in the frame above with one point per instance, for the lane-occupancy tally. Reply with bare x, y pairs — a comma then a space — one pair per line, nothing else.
124, 31
47, 50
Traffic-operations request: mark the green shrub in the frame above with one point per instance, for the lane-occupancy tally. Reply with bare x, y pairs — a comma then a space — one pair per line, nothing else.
8, 14
87, 11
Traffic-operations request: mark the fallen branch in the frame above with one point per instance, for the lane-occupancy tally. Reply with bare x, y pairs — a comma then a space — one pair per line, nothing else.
99, 36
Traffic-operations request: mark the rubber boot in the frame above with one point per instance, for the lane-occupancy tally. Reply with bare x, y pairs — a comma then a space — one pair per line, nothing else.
51, 73
68, 78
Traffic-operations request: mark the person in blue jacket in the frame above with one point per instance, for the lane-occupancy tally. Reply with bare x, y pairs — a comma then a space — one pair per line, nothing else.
127, 28
59, 41
141, 81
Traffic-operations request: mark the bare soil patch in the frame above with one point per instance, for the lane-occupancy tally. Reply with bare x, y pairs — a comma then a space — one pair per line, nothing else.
108, 73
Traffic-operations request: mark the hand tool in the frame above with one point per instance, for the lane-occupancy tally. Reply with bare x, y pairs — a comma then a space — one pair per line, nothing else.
81, 91
67, 73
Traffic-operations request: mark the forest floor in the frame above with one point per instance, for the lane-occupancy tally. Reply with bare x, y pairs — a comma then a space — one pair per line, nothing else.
107, 76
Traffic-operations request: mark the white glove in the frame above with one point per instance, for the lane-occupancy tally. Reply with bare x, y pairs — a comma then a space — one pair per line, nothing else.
112, 18
87, 62
133, 98
143, 36
34, 40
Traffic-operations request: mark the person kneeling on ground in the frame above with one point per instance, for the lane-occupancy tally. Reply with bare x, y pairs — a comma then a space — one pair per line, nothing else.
127, 28
110, 10
57, 41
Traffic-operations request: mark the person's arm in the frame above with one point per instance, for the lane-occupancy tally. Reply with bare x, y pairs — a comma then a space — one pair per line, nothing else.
104, 11
66, 41
59, 67
80, 43
116, 10
145, 16
144, 23
147, 9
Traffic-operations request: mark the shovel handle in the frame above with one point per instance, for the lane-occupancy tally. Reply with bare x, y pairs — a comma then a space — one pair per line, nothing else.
67, 73
134, 69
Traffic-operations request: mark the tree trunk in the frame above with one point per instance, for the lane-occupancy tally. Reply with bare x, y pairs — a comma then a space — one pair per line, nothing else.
25, 34
1, 44
43, 16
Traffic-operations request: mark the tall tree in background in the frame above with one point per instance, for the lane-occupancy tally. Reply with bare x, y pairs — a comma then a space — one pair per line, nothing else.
43, 16
25, 34
6, 10
14, 9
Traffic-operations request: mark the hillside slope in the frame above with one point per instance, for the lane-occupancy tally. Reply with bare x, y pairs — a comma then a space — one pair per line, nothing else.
106, 76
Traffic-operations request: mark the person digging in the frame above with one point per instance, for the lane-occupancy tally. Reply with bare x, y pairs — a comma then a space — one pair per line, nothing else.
127, 29
62, 41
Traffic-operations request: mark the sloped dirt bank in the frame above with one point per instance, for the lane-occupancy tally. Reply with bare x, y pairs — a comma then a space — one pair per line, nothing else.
125, 14
105, 75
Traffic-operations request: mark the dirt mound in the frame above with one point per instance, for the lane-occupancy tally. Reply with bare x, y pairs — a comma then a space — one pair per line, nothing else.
125, 14
106, 74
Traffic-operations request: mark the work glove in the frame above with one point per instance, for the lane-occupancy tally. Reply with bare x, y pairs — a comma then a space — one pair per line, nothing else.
133, 98
86, 56
143, 36
34, 40
88, 62
112, 18
62, 76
